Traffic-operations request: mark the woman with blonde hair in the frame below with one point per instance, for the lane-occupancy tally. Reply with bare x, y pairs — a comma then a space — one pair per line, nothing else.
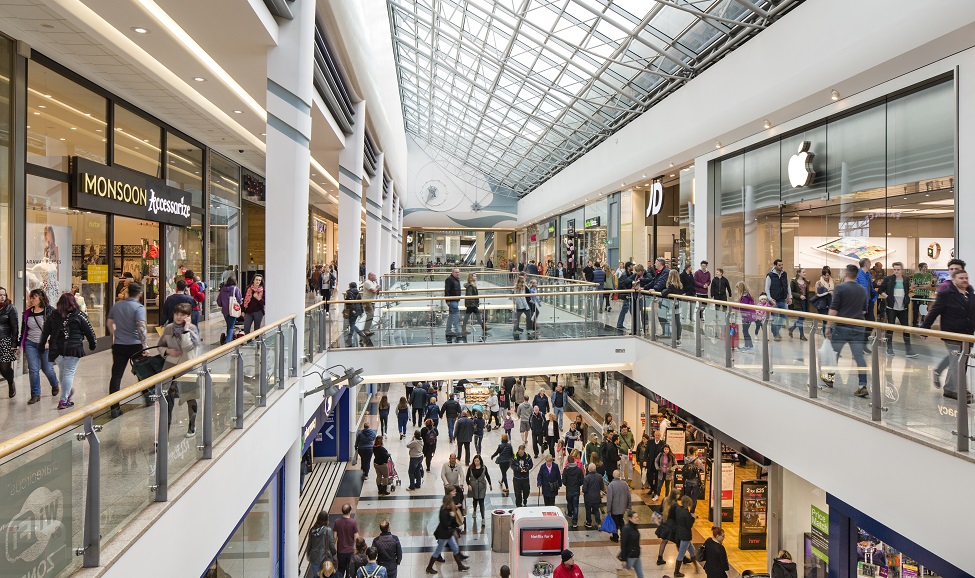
744, 296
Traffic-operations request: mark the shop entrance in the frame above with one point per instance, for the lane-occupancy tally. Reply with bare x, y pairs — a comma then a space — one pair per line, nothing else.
136, 255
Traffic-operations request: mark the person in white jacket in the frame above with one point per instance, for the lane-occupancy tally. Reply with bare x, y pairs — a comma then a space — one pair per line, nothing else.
181, 340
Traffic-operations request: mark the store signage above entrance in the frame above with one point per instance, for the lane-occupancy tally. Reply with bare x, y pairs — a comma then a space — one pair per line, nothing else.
656, 200
801, 172
320, 226
118, 191
592, 222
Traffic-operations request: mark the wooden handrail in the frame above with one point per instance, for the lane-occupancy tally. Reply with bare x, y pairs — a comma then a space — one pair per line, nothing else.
54, 426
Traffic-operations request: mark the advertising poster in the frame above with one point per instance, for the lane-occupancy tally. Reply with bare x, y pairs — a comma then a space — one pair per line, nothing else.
36, 514
727, 485
48, 252
820, 534
815, 252
754, 515
676, 439
936, 252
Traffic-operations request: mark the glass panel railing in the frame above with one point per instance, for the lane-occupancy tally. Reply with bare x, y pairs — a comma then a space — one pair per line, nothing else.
126, 480
223, 373
185, 431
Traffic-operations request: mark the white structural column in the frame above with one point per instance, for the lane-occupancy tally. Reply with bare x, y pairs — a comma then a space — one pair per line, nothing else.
396, 239
480, 248
350, 200
386, 234
290, 66
374, 213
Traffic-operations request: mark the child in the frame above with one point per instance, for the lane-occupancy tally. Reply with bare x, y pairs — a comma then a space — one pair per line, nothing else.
180, 338
760, 316
509, 424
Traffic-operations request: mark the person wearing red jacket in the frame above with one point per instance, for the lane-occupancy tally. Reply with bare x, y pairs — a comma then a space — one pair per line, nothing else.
196, 292
568, 568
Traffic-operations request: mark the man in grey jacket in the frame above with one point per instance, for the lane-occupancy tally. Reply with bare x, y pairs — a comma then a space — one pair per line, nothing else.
524, 414
617, 502
464, 434
592, 495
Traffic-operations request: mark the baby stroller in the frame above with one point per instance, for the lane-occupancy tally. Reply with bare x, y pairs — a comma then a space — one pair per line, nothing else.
393, 478
238, 330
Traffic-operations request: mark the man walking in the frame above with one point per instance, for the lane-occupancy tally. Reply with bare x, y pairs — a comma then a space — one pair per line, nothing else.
346, 531
865, 280
451, 288
625, 285
537, 424
778, 290
365, 440
418, 401
617, 502
956, 307
370, 290
464, 434
572, 478
450, 409
895, 290
592, 488
702, 281
127, 324
524, 417
521, 468
558, 404
389, 549
849, 300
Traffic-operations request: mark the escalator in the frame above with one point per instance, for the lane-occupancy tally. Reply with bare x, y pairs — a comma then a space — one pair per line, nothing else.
470, 257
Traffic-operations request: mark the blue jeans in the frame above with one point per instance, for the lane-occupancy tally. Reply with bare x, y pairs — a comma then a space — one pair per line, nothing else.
854, 336
572, 508
402, 418
623, 310
778, 320
685, 545
450, 427
446, 541
416, 472
453, 318
67, 366
559, 412
231, 321
195, 318
37, 362
636, 565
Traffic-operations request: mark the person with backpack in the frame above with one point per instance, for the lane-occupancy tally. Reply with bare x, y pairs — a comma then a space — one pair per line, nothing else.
68, 328
691, 473
714, 556
321, 546
198, 294
429, 432
230, 301
352, 312
365, 440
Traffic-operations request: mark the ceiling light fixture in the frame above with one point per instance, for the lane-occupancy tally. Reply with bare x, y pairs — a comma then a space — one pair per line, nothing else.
671, 164
199, 79
768, 124
238, 112
835, 94
673, 175
717, 144
140, 30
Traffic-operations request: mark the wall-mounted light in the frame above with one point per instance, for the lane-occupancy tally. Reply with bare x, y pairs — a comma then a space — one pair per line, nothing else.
768, 124
671, 164
835, 94
717, 144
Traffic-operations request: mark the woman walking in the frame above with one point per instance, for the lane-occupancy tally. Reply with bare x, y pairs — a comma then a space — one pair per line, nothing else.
630, 544
665, 463
352, 312
30, 340
380, 457
321, 546
68, 328
667, 530
800, 289
180, 340
608, 285
429, 433
383, 415
685, 522
415, 471
447, 527
478, 483
521, 307
503, 456
747, 315
402, 416
9, 329
472, 304
715, 556
254, 305
229, 301
552, 433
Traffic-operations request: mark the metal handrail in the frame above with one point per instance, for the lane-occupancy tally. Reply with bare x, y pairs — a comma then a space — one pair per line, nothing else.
52, 427
824, 318
463, 297
499, 287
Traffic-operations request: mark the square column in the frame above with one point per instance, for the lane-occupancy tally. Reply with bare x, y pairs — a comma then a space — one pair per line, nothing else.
350, 200
374, 210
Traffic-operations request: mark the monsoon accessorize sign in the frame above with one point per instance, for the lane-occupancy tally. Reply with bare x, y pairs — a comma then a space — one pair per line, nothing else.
119, 191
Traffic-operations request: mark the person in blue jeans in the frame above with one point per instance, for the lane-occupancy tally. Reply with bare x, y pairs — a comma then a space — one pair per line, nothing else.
30, 340
558, 404
849, 301
778, 290
625, 284
229, 297
446, 527
452, 289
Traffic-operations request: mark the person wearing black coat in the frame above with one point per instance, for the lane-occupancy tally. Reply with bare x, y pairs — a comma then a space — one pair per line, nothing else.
684, 519
592, 495
68, 329
715, 556
418, 401
956, 308
549, 480
686, 281
503, 456
784, 567
536, 422
321, 546
630, 544
445, 534
610, 453
9, 330
572, 477
521, 467
464, 434
720, 286
389, 548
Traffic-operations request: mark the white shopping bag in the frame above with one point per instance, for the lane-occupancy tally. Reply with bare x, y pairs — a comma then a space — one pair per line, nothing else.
827, 362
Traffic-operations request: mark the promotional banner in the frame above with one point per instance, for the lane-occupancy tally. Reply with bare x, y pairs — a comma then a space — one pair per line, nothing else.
936, 252
820, 534
727, 485
48, 252
676, 438
36, 514
753, 525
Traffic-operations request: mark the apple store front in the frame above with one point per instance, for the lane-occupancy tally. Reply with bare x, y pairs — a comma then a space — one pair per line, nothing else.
876, 181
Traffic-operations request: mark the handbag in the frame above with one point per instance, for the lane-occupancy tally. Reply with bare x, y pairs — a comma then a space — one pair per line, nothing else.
608, 525
145, 366
234, 308
656, 518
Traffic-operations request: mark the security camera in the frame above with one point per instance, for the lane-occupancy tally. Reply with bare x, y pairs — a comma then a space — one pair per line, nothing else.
241, 151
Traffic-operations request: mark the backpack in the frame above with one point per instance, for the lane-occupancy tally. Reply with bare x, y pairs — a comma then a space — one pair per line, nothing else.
430, 438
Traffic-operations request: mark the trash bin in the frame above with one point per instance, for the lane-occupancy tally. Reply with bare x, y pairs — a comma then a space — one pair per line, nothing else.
500, 530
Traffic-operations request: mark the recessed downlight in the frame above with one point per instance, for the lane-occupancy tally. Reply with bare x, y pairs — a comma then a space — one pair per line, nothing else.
238, 112
199, 79
140, 30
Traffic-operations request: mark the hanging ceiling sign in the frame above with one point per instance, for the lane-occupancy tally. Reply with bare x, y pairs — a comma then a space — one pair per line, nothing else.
118, 191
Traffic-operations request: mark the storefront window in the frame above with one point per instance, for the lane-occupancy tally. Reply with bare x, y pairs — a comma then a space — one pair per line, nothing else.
224, 179
65, 249
569, 250
64, 120
224, 243
184, 252
686, 214
137, 143
254, 549
595, 237
185, 167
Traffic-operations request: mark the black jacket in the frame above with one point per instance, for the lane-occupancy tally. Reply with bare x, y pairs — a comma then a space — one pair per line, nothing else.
521, 467
471, 291
419, 398
505, 453
537, 423
446, 526
687, 282
610, 454
592, 488
68, 341
653, 450
450, 408
451, 287
887, 286
390, 550
630, 541
572, 478
720, 288
782, 569
684, 524
9, 323
778, 286
542, 402
660, 280
48, 311
956, 311
715, 559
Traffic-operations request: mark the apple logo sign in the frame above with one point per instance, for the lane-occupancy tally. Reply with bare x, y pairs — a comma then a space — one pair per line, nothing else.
800, 166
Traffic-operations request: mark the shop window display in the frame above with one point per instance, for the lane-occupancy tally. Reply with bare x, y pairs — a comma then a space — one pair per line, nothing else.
64, 119
66, 249
875, 559
137, 143
184, 167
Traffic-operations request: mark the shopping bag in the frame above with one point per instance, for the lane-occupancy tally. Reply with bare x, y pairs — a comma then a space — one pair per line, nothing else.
145, 366
734, 335
656, 518
625, 573
827, 362
609, 525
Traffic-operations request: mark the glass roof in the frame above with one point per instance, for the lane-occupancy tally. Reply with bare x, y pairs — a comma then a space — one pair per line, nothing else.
519, 89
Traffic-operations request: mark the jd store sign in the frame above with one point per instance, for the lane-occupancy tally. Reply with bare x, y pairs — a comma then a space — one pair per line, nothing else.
118, 191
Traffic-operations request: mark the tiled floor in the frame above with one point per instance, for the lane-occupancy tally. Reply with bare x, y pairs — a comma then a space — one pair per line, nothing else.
413, 517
